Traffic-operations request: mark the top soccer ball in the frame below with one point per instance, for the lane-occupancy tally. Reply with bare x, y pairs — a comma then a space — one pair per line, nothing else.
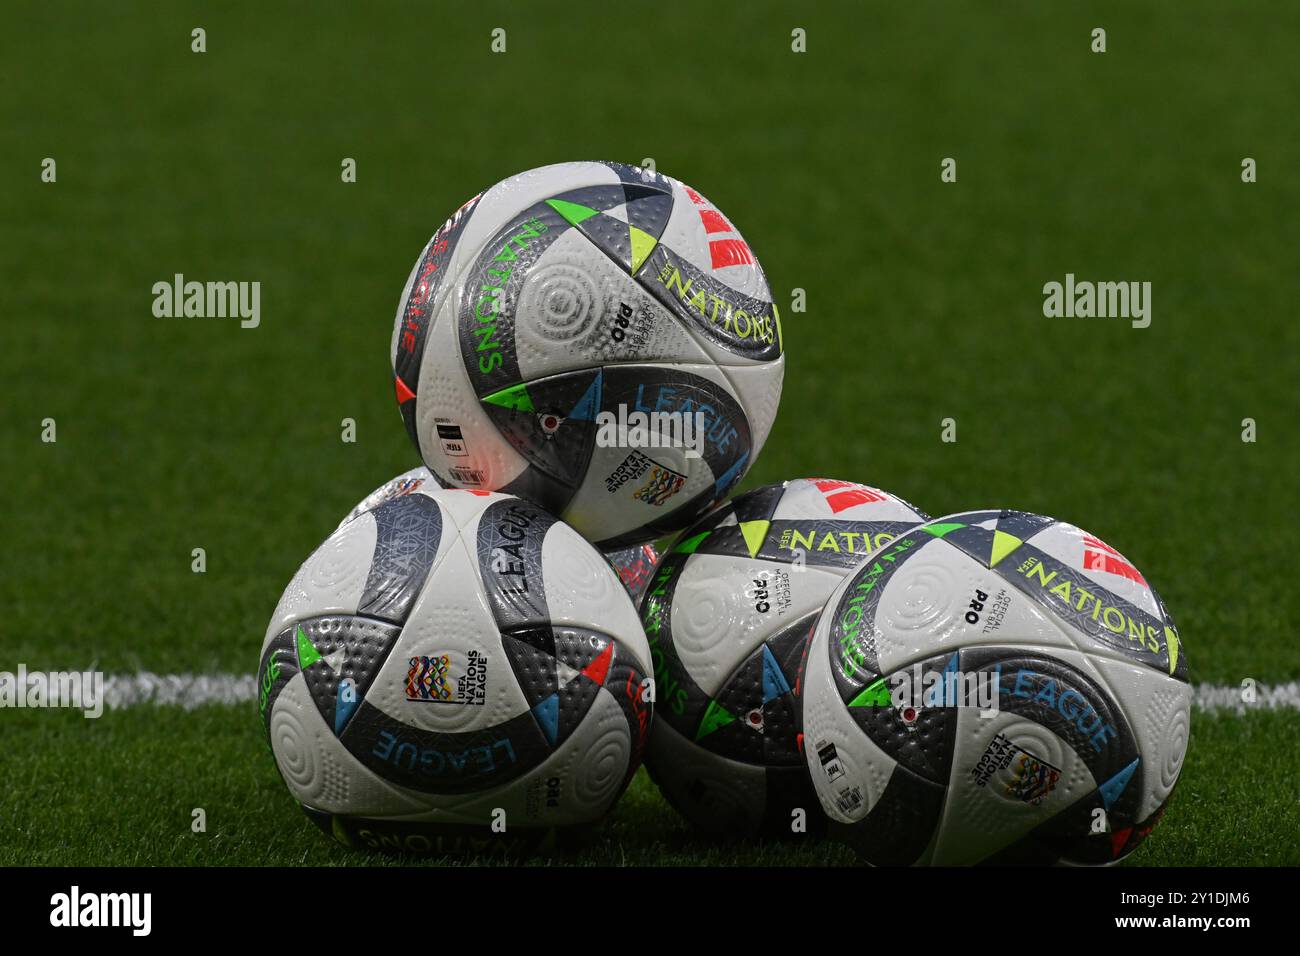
564, 333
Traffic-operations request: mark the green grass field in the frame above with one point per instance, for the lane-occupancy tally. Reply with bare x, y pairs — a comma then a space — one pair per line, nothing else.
924, 302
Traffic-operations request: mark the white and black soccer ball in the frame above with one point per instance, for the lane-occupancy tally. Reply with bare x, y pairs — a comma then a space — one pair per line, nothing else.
452, 671
552, 310
995, 687
728, 614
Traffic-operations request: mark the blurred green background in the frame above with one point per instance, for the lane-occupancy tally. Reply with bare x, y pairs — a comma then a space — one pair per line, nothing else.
924, 302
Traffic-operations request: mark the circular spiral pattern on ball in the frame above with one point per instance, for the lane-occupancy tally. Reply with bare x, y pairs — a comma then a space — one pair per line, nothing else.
1174, 749
921, 613
586, 576
928, 596
335, 564
295, 750
709, 615
562, 299
602, 768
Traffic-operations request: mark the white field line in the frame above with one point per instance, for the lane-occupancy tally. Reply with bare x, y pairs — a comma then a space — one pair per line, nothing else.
1267, 697
197, 690
184, 690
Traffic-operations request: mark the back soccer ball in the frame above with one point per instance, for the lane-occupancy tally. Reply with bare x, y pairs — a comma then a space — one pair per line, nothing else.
596, 338
995, 687
728, 614
634, 566
454, 671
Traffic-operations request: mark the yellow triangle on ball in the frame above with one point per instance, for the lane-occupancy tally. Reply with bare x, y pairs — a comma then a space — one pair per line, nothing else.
754, 532
642, 245
1003, 544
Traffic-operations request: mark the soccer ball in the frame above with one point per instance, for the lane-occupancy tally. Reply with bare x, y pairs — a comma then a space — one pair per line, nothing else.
560, 334
728, 615
454, 671
995, 687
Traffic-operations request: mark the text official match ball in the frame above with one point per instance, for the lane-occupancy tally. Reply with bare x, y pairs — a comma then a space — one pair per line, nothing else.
995, 687
561, 323
454, 670
728, 614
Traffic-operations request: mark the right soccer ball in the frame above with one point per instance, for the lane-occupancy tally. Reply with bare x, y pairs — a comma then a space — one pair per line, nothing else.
995, 687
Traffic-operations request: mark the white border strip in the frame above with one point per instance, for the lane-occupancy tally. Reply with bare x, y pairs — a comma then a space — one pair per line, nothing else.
197, 690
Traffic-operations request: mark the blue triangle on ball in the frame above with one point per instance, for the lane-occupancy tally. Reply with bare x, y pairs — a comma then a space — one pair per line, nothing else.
547, 713
1112, 788
343, 707
774, 682
724, 481
585, 409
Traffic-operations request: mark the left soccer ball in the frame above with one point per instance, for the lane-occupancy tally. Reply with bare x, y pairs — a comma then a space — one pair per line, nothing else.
452, 671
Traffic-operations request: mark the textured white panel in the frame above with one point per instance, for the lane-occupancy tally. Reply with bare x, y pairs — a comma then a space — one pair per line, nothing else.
582, 590
1159, 710
451, 617
445, 396
598, 513
803, 499
686, 236
715, 623
758, 388
318, 769
568, 304
851, 784
464, 508
923, 605
599, 753
980, 820
331, 581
